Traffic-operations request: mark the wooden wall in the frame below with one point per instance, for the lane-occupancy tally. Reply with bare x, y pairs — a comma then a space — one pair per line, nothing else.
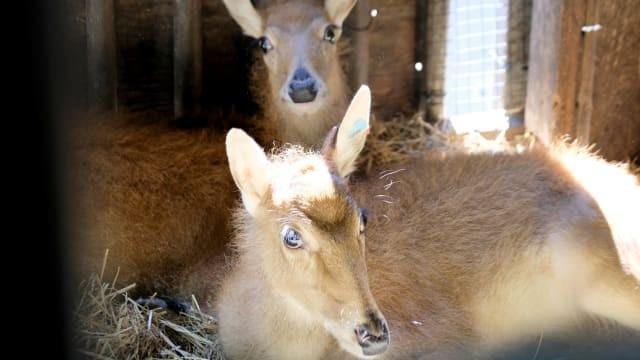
144, 43
392, 42
586, 84
145, 60
226, 60
132, 61
613, 116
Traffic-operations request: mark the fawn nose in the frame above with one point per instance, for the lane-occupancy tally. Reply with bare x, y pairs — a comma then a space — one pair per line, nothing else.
373, 336
302, 87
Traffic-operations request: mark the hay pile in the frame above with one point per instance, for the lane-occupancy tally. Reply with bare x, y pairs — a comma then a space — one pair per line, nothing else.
401, 138
398, 139
111, 325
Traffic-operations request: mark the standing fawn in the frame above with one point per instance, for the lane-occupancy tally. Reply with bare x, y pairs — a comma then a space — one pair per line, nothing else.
465, 254
299, 82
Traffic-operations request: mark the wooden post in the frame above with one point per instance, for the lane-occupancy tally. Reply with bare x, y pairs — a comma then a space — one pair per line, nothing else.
433, 31
187, 58
585, 91
555, 53
101, 56
421, 55
360, 55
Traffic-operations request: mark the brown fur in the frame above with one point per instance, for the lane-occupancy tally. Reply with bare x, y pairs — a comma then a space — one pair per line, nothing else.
157, 198
465, 254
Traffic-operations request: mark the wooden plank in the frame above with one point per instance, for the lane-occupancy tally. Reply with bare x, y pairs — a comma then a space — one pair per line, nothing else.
392, 57
555, 51
144, 32
421, 54
226, 64
360, 16
615, 117
586, 84
519, 28
585, 87
101, 56
435, 54
187, 58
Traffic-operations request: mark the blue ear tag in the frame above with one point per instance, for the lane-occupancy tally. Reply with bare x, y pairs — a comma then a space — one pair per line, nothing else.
358, 126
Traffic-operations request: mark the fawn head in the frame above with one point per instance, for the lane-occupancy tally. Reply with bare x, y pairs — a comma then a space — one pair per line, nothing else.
307, 232
298, 40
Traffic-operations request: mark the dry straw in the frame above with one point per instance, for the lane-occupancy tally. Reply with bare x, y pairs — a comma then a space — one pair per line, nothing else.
401, 138
111, 325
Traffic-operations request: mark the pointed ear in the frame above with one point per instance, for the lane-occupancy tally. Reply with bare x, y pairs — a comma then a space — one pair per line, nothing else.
243, 12
337, 10
352, 134
249, 168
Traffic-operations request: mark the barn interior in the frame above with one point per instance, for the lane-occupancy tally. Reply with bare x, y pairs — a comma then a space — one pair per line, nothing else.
555, 68
514, 69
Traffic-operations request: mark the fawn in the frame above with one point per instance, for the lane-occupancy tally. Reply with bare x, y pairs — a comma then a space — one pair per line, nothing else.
465, 253
298, 81
158, 199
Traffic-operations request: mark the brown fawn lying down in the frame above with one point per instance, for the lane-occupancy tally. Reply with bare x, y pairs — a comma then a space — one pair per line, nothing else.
298, 81
464, 254
158, 199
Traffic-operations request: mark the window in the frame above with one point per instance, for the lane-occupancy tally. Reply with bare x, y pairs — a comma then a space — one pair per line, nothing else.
475, 67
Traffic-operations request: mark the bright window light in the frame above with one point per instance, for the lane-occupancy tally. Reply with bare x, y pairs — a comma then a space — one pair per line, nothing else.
476, 65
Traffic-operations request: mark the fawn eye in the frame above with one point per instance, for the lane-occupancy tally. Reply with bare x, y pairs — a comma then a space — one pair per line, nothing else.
330, 34
291, 238
364, 217
265, 44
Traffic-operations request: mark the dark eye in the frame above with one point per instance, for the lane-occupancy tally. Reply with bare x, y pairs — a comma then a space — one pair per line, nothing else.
364, 217
330, 34
291, 238
265, 44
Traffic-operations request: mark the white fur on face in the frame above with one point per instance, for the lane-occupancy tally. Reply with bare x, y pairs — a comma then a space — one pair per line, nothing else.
308, 178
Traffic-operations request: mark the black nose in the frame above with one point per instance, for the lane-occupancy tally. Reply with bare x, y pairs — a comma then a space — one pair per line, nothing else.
373, 336
302, 88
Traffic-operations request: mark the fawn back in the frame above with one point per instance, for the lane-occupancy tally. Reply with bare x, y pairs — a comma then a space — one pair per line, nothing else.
158, 199
464, 253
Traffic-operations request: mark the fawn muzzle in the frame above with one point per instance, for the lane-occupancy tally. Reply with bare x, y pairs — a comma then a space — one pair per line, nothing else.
373, 336
302, 87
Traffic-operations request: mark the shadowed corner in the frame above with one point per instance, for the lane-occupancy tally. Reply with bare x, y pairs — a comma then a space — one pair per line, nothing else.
593, 345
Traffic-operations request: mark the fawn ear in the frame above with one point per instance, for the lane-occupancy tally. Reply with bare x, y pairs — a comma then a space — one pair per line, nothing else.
342, 148
243, 12
249, 168
337, 10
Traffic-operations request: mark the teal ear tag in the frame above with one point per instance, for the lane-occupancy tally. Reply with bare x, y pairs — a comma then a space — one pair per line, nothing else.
358, 126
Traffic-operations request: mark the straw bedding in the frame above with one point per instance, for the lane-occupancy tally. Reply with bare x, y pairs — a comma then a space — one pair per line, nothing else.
111, 325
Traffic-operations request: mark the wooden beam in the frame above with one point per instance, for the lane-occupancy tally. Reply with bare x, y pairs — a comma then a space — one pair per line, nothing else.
435, 50
587, 71
360, 55
421, 54
101, 56
614, 124
187, 58
555, 52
